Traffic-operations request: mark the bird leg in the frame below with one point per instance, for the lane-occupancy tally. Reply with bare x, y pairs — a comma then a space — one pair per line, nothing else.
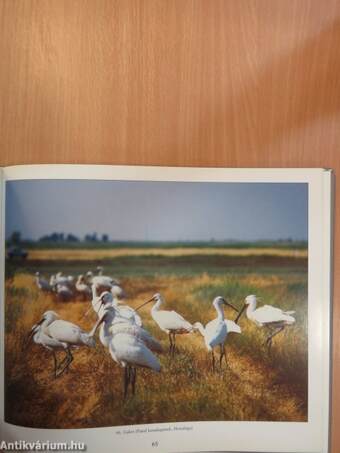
270, 331
212, 360
61, 365
225, 355
55, 364
65, 359
272, 335
222, 354
126, 380
170, 341
68, 359
133, 379
174, 344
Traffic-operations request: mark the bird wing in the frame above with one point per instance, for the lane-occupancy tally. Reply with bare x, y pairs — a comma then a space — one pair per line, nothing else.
118, 291
128, 349
82, 287
215, 333
129, 313
267, 314
172, 320
150, 341
232, 326
64, 331
46, 340
138, 332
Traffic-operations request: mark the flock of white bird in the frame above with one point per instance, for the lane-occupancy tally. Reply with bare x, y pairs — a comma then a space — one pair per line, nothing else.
121, 328
67, 287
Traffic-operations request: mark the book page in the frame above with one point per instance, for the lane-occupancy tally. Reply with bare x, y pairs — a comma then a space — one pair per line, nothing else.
181, 309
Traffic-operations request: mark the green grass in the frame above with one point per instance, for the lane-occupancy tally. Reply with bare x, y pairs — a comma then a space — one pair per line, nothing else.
148, 266
282, 244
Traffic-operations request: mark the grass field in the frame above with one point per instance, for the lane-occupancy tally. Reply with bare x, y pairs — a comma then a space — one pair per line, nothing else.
255, 385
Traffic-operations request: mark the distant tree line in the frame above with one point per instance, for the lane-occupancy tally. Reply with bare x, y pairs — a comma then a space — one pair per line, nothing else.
56, 237
62, 237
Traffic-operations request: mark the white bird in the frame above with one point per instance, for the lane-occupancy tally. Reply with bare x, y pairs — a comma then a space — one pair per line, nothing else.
42, 283
60, 279
53, 281
100, 304
124, 311
102, 282
216, 331
55, 334
272, 318
114, 323
64, 293
132, 353
127, 313
129, 345
82, 288
139, 332
100, 270
118, 292
170, 322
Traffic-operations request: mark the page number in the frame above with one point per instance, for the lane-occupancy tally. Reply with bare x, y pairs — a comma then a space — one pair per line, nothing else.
155, 444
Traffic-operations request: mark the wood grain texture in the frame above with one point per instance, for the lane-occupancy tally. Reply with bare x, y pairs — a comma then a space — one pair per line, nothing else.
250, 83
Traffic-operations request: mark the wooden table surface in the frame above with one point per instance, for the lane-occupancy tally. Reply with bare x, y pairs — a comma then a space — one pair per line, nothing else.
233, 83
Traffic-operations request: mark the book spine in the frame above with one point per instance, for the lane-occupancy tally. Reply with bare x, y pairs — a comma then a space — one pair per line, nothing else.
327, 215
2, 290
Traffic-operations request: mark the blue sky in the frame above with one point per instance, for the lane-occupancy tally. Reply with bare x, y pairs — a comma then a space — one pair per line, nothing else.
158, 211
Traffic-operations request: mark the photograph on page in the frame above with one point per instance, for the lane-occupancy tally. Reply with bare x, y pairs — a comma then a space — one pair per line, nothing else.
159, 301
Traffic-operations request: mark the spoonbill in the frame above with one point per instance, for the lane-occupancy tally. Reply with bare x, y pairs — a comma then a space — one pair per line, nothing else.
132, 353
42, 283
53, 280
102, 282
82, 288
124, 311
100, 270
118, 292
55, 334
216, 331
60, 279
64, 293
170, 322
130, 346
113, 323
272, 318
66, 279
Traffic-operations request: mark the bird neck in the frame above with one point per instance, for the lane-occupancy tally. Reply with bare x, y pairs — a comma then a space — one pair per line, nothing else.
45, 324
94, 291
95, 327
114, 302
200, 328
220, 312
251, 308
157, 306
36, 333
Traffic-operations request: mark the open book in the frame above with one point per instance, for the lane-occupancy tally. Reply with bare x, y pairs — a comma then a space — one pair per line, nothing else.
151, 309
